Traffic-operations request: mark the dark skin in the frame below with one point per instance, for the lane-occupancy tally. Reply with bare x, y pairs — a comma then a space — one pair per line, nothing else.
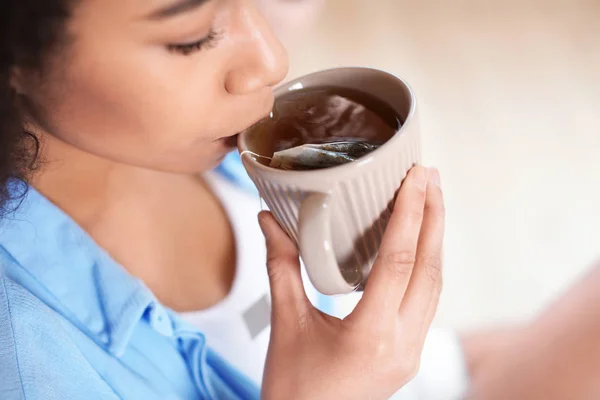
140, 102
131, 120
127, 128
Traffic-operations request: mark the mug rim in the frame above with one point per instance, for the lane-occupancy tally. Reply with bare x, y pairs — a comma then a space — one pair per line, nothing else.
344, 168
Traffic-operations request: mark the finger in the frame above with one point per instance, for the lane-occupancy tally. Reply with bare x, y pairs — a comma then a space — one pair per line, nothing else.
422, 296
430, 314
283, 265
393, 267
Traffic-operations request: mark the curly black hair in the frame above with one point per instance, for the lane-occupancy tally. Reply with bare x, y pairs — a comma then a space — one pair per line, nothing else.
29, 31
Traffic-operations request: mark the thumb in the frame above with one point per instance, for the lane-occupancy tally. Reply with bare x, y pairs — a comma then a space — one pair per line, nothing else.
283, 264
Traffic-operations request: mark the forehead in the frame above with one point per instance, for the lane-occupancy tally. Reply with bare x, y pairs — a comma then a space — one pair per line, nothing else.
138, 9
99, 20
172, 8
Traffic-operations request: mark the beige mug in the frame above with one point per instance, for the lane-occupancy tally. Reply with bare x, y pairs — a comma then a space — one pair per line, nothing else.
337, 216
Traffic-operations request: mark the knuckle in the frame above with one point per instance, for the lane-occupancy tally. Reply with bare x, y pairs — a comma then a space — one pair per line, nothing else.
399, 264
304, 321
400, 258
408, 365
404, 366
380, 348
409, 368
433, 268
276, 266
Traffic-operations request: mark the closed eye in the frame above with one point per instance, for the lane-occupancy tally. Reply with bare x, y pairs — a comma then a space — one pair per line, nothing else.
188, 48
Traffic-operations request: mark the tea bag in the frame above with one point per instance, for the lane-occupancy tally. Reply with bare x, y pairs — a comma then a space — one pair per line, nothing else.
322, 155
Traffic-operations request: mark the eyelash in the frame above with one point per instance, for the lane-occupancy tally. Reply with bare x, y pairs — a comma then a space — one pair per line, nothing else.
207, 42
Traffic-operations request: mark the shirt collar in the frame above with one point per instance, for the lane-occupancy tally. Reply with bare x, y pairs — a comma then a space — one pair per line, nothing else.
62, 265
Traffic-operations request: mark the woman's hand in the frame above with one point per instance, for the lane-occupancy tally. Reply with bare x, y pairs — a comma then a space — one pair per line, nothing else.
375, 350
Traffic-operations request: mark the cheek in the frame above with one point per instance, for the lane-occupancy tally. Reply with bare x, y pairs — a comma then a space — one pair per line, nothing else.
141, 105
143, 119
190, 102
125, 103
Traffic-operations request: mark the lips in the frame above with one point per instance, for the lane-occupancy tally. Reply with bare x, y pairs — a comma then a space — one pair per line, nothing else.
232, 141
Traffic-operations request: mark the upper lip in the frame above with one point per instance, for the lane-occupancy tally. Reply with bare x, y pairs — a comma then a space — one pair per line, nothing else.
252, 125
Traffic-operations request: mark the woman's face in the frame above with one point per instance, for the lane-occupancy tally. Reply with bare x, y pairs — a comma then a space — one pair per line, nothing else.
162, 84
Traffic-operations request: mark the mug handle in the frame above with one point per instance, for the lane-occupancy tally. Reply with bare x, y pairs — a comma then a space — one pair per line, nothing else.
316, 246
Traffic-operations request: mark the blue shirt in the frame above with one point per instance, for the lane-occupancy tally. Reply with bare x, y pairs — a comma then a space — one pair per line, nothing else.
75, 325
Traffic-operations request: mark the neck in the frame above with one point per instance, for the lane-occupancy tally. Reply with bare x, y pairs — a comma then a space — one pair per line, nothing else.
87, 186
167, 229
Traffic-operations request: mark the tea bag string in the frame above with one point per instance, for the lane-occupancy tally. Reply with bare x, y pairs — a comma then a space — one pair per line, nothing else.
254, 154
263, 206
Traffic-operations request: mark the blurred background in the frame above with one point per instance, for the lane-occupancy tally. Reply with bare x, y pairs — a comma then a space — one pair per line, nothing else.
509, 102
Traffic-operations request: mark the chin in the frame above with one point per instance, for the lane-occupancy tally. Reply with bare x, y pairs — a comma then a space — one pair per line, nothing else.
197, 158
189, 166
208, 164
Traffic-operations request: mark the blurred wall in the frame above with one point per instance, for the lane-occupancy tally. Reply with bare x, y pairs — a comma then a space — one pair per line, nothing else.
509, 97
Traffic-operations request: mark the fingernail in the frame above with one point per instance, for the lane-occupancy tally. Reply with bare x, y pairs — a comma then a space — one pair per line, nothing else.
434, 177
420, 178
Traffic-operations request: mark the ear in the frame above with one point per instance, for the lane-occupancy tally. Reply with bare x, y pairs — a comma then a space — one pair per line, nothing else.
16, 80
18, 90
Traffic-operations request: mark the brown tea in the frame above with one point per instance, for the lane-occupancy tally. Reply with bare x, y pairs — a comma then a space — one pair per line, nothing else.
324, 127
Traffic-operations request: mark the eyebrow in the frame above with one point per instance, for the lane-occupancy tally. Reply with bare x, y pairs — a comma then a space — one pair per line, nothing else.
178, 7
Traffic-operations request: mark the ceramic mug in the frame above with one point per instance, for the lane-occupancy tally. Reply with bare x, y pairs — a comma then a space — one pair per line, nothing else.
337, 215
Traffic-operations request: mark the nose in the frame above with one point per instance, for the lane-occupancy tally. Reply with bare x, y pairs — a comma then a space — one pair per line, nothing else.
261, 60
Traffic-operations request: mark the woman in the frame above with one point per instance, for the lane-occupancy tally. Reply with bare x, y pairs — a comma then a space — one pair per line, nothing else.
126, 105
